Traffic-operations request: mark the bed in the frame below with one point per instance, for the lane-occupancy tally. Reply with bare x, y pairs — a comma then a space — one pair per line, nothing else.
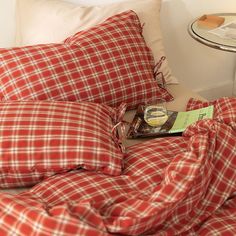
68, 89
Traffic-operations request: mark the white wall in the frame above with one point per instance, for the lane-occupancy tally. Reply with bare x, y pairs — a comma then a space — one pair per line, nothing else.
206, 70
7, 19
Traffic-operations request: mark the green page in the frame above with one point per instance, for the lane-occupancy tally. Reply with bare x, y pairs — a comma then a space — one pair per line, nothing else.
184, 119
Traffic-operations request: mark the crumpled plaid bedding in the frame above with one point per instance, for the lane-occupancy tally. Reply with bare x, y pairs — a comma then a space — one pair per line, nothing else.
170, 186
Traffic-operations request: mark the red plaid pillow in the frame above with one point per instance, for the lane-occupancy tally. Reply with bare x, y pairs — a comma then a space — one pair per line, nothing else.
109, 63
41, 138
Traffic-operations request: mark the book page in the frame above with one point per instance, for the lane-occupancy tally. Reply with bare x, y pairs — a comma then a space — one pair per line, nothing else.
184, 119
227, 31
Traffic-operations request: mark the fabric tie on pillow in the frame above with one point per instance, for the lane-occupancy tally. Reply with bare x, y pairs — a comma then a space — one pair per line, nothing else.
157, 73
119, 123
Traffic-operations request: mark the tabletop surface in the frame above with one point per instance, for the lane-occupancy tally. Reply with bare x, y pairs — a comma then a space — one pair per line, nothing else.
211, 38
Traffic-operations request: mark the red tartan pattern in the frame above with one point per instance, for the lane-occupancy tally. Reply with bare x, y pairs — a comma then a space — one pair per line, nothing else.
109, 63
222, 222
141, 173
40, 138
174, 191
24, 216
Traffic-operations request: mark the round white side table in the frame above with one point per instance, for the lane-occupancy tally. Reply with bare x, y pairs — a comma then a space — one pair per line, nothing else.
204, 36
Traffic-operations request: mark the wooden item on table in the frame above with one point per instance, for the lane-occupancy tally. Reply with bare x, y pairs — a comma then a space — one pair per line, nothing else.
210, 21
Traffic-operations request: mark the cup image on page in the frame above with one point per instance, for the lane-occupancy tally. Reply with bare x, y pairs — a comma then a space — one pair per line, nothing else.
155, 113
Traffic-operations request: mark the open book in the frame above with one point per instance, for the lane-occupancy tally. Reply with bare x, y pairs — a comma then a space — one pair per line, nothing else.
226, 31
176, 123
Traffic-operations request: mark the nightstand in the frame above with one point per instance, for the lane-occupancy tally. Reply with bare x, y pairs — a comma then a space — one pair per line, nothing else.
208, 38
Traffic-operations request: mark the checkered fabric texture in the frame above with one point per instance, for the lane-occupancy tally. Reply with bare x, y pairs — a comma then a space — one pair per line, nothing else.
109, 63
170, 186
41, 138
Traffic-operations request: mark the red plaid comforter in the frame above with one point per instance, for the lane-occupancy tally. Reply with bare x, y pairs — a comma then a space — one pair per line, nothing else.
170, 186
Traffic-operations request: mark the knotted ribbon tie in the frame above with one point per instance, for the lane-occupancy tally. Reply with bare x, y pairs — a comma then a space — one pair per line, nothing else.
120, 111
157, 73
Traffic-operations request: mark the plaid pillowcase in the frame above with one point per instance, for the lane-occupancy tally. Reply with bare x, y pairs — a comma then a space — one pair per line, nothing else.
41, 138
109, 63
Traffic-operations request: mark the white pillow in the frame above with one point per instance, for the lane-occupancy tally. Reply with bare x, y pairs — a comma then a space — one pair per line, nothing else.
50, 21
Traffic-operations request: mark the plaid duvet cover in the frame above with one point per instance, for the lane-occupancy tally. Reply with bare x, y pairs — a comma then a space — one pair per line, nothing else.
170, 186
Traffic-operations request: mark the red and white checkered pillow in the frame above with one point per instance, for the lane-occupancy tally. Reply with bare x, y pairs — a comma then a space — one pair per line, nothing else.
41, 138
109, 63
